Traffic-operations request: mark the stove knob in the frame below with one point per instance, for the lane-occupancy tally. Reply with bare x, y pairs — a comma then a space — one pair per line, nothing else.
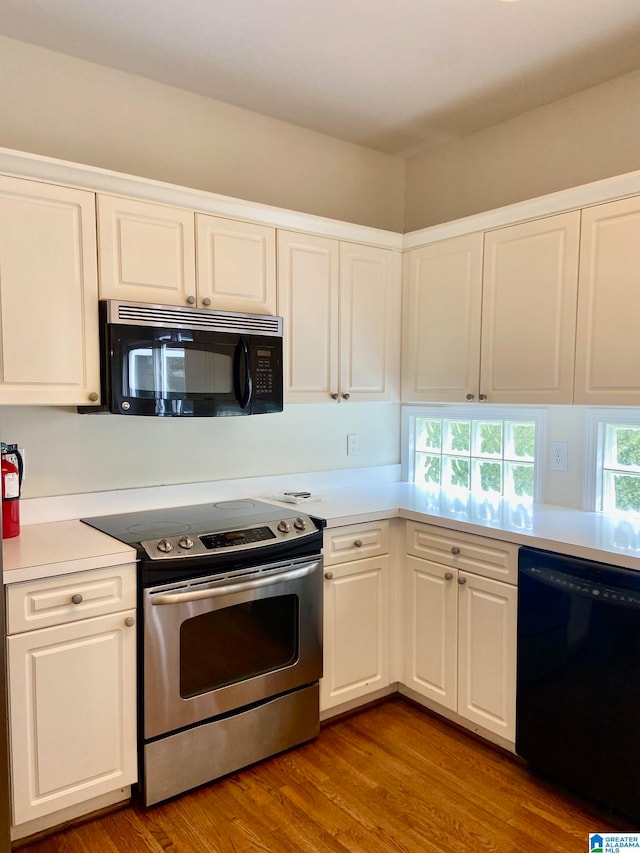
185, 542
165, 546
284, 526
300, 524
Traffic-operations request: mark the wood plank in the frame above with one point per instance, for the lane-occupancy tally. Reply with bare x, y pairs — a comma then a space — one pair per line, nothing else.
392, 778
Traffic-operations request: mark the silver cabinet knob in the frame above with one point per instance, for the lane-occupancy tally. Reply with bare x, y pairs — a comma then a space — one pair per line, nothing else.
358, 543
76, 599
334, 396
461, 580
482, 397
448, 576
455, 550
346, 396
93, 396
191, 300
130, 621
471, 397
206, 302
328, 575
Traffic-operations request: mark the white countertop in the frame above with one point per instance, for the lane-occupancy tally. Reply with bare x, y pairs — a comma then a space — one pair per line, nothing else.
591, 535
60, 547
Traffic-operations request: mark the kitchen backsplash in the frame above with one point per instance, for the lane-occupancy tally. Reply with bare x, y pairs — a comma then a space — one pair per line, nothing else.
68, 453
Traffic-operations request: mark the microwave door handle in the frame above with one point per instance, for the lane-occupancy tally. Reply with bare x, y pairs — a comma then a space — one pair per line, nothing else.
242, 395
228, 589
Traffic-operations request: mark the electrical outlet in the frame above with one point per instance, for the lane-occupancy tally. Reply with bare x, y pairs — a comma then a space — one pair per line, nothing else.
352, 444
558, 455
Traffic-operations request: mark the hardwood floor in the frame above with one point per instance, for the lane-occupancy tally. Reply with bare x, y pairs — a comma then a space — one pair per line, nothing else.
389, 778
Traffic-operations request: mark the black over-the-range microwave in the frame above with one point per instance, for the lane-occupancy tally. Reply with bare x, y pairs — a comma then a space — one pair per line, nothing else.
172, 361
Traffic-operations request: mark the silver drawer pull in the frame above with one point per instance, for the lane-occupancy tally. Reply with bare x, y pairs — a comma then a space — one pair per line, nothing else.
455, 550
76, 599
462, 580
448, 576
328, 575
358, 543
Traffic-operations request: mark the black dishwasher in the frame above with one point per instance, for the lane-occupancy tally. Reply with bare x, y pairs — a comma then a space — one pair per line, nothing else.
578, 684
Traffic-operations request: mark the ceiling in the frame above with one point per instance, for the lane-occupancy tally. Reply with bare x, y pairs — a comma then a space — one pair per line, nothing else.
397, 76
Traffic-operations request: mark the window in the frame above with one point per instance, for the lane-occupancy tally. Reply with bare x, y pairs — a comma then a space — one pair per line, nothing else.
613, 448
487, 450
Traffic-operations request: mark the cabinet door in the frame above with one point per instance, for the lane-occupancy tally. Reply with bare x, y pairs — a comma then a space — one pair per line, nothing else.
369, 322
607, 357
356, 630
308, 302
146, 251
72, 713
529, 300
236, 265
431, 626
487, 653
442, 301
48, 295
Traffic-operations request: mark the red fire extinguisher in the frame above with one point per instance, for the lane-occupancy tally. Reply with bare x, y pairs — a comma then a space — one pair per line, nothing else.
12, 468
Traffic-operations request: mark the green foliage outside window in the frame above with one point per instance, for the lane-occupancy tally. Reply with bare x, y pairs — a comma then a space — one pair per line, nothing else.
476, 454
524, 440
491, 438
522, 480
432, 466
461, 435
627, 492
621, 474
460, 472
491, 477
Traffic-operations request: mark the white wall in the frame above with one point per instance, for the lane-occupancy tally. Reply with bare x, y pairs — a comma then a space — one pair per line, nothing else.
67, 453
67, 108
588, 136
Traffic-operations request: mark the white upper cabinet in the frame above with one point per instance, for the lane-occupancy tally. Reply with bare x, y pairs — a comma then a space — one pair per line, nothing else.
236, 265
442, 303
341, 308
146, 252
308, 302
607, 357
529, 299
149, 253
48, 295
369, 322
494, 323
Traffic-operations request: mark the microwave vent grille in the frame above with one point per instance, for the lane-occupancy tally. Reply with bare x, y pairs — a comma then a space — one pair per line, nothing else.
169, 316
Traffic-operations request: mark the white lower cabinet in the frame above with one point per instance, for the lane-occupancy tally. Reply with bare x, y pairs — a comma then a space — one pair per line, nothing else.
460, 625
358, 601
72, 690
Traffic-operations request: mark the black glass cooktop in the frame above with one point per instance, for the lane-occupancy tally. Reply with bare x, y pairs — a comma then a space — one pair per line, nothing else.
196, 519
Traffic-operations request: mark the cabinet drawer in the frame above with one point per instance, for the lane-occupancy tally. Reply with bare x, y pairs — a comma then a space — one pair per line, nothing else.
356, 541
67, 598
478, 554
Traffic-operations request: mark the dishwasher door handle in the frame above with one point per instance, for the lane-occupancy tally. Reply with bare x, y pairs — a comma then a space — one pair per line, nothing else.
186, 595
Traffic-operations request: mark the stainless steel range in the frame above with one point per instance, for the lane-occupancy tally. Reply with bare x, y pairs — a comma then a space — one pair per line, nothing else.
230, 596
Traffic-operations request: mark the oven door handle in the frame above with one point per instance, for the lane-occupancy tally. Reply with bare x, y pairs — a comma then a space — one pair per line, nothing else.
229, 589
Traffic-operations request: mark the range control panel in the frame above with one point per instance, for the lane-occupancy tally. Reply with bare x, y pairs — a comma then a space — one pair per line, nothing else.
224, 541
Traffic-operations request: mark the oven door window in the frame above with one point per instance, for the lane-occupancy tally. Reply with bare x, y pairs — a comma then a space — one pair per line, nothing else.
236, 643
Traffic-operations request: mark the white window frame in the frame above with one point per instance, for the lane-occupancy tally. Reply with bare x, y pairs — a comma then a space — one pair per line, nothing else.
595, 422
474, 411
